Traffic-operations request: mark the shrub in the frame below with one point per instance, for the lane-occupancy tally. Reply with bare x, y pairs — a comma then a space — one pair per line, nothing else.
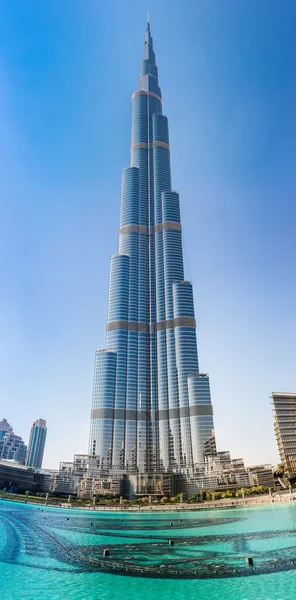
164, 500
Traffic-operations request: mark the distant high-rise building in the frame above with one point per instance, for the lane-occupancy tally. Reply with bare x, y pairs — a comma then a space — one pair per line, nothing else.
284, 407
36, 444
151, 407
4, 428
12, 446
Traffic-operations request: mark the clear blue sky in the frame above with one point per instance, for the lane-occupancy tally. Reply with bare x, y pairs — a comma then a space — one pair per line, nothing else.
227, 73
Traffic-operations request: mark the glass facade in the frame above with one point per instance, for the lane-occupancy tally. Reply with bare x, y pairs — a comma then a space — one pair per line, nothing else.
151, 409
36, 445
284, 407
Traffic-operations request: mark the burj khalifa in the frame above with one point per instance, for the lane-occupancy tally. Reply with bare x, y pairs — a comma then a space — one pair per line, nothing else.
151, 407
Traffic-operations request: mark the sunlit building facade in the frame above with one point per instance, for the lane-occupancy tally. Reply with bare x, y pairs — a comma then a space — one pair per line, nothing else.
151, 407
12, 446
284, 407
36, 445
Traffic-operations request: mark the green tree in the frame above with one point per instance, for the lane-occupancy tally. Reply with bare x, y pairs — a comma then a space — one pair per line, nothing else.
164, 500
218, 495
210, 495
193, 498
144, 500
228, 494
280, 470
202, 495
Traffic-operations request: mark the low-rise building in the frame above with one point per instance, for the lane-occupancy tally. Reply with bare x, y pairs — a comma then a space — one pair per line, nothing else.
261, 475
63, 484
44, 477
66, 480
101, 486
16, 478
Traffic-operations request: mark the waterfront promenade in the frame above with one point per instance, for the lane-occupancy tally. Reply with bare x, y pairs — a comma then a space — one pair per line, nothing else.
247, 502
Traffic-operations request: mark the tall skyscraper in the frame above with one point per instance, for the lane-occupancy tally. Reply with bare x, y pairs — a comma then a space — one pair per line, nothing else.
151, 408
12, 446
36, 445
284, 406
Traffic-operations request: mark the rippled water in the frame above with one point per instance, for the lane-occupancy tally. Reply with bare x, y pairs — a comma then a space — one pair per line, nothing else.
57, 554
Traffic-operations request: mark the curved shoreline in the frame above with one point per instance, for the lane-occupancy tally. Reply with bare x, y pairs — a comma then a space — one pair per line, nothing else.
264, 500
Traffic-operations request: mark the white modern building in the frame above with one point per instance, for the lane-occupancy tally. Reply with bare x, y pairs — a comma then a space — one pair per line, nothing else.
12, 446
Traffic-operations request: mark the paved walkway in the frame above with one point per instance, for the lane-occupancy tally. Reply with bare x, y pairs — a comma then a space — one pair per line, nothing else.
262, 500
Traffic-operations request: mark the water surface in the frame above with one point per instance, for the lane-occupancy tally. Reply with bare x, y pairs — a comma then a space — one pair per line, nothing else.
57, 554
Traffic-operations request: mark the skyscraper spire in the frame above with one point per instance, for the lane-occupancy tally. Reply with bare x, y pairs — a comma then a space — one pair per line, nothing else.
148, 47
151, 408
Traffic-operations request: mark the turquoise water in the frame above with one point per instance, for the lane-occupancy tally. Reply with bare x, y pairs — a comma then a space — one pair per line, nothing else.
56, 554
